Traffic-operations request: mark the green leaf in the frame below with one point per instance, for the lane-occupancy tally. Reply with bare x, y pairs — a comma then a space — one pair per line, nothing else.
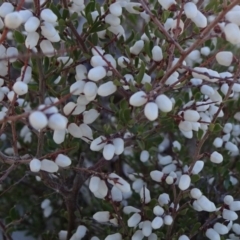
130, 38
17, 65
200, 134
55, 10
195, 178
18, 37
217, 127
141, 72
65, 14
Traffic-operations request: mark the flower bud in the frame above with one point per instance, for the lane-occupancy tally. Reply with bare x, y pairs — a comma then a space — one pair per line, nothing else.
163, 199
145, 195
218, 142
144, 156
13, 20
101, 216
119, 145
134, 220
232, 33
35, 165
235, 206
48, 15
156, 175
38, 120
107, 89
63, 160
6, 8
198, 166
212, 234
20, 88
228, 199
190, 10
138, 99
151, 111
184, 182
81, 231
200, 20
191, 115
49, 166
224, 58
115, 236
97, 73
157, 54
90, 89
229, 215
108, 151
168, 220
195, 193
112, 20
115, 9
31, 40
164, 103
220, 228
32, 24
57, 122
119, 182
216, 157
59, 136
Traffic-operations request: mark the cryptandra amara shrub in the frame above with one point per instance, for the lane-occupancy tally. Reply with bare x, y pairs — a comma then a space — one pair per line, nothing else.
120, 120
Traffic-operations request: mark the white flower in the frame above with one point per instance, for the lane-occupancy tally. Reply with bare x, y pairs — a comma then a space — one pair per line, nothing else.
97, 73
47, 48
138, 235
200, 20
130, 209
20, 88
198, 166
38, 120
168, 220
218, 142
229, 215
236, 228
216, 157
220, 228
32, 24
195, 193
134, 220
166, 4
115, 9
163, 199
6, 8
164, 103
224, 58
156, 175
157, 210
49, 166
101, 216
108, 151
119, 182
190, 9
151, 111
232, 33
145, 195
62, 235
234, 206
137, 47
98, 143
63, 160
231, 147
31, 40
206, 204
228, 199
147, 228
157, 54
123, 61
191, 115
112, 20
35, 165
13, 20
144, 156
116, 194
57, 121
184, 182
116, 236
183, 237
48, 15
138, 99
212, 234
157, 223
119, 145
107, 89
81, 231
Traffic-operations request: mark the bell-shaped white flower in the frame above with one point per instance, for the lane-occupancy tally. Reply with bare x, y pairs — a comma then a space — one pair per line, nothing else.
206, 204
156, 175
59, 136
115, 236
57, 122
102, 216
47, 48
218, 142
220, 228
63, 160
145, 195
229, 215
32, 24
137, 47
231, 147
38, 120
166, 4
81, 231
200, 20
31, 40
13, 20
163, 199
6, 8
164, 103
157, 54
20, 88
107, 89
168, 220
48, 15
49, 166
157, 223
90, 89
151, 111
216, 157
119, 145
224, 58
198, 166
147, 228
97, 73
184, 182
35, 165
116, 9
108, 151
191, 115
98, 143
138, 99
94, 183
232, 33
116, 194
228, 199
190, 10
74, 130
119, 182
144, 156
212, 234
195, 193
134, 220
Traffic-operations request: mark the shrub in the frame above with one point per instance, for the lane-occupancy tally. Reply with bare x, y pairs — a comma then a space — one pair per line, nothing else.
120, 120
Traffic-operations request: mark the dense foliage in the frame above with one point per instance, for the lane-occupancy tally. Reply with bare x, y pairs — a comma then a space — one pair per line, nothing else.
120, 120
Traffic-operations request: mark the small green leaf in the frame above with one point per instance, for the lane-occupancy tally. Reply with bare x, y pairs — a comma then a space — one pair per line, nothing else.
195, 178
141, 72
217, 127
18, 37
17, 65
